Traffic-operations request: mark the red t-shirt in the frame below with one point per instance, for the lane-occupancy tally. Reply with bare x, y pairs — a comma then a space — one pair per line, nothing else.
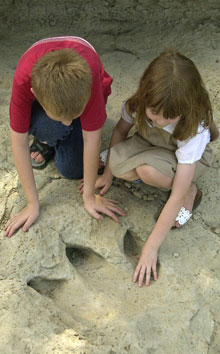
94, 114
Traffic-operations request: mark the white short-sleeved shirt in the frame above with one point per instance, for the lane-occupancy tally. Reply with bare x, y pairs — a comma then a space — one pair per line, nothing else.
189, 150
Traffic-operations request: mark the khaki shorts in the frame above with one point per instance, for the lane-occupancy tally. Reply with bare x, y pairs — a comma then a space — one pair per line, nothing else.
136, 151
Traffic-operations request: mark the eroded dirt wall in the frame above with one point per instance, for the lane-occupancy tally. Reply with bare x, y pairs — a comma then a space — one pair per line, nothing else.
104, 18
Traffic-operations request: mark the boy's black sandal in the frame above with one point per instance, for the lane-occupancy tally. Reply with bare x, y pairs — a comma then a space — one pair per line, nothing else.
45, 150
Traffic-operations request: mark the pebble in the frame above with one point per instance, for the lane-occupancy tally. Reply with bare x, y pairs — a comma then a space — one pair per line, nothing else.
216, 230
138, 194
196, 216
176, 254
148, 197
128, 185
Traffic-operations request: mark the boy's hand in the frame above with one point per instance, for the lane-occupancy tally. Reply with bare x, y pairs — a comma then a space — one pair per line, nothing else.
97, 204
147, 264
26, 218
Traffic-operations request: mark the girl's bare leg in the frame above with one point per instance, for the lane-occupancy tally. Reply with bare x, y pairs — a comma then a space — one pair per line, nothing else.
130, 176
152, 177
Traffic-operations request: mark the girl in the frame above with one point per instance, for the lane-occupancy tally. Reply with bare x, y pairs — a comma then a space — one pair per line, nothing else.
172, 114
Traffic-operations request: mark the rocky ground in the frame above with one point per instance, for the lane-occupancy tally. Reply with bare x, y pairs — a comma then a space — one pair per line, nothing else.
66, 284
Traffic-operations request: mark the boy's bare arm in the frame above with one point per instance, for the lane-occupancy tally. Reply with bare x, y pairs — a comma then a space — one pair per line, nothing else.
181, 184
95, 204
21, 154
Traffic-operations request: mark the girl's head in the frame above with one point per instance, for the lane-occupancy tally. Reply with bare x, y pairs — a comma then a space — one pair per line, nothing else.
171, 87
61, 81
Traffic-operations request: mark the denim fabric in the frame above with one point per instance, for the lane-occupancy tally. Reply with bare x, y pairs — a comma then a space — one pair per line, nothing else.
67, 141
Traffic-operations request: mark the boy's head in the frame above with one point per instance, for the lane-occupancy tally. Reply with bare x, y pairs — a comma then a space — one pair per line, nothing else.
61, 81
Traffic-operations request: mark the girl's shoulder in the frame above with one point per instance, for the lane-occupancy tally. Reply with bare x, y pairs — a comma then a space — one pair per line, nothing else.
126, 114
214, 132
191, 150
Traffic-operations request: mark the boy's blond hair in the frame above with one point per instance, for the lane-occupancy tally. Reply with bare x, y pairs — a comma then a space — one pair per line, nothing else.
61, 81
173, 84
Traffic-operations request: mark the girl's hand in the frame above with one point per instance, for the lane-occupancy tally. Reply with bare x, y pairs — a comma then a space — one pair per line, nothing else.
26, 218
147, 264
80, 188
98, 205
104, 181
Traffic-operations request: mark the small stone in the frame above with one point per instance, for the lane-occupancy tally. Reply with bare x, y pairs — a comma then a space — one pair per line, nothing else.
196, 216
148, 197
176, 254
137, 194
216, 230
151, 197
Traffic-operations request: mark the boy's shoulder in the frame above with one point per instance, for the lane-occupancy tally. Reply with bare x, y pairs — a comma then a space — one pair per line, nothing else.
44, 46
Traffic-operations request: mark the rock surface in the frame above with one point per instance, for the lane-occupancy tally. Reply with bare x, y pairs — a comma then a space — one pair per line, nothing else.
66, 283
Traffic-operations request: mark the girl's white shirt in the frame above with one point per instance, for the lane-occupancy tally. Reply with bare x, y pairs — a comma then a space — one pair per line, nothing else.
189, 150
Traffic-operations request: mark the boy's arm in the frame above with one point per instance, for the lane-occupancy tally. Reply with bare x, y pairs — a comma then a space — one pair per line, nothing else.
181, 184
95, 204
21, 154
119, 134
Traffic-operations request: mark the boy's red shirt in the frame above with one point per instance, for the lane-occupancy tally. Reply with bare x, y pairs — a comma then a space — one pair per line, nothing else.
94, 114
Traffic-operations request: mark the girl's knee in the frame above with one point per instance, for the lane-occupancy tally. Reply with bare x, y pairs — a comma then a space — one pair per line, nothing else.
152, 176
144, 171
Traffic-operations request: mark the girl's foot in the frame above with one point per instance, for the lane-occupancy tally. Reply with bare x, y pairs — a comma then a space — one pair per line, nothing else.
188, 202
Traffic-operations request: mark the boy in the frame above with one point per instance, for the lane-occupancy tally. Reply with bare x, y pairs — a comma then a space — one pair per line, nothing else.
59, 94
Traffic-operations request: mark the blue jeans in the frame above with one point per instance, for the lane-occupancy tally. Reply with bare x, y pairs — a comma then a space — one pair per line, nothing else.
66, 141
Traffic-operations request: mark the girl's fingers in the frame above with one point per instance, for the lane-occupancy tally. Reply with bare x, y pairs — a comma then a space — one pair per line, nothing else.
141, 276
104, 190
81, 184
148, 275
136, 273
154, 268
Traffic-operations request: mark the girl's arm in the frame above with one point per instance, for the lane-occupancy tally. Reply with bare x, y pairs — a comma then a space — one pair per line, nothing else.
119, 134
21, 154
148, 260
95, 204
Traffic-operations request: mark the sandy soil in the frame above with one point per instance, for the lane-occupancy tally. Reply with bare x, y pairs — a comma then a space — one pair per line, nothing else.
66, 284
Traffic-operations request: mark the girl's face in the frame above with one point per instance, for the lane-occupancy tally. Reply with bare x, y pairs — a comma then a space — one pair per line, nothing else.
158, 120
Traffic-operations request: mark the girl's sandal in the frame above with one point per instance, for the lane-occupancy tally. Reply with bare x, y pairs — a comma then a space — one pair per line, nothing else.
103, 157
184, 215
45, 150
102, 161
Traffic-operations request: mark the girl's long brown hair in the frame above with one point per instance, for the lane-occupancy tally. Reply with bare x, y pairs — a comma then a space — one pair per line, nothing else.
172, 83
